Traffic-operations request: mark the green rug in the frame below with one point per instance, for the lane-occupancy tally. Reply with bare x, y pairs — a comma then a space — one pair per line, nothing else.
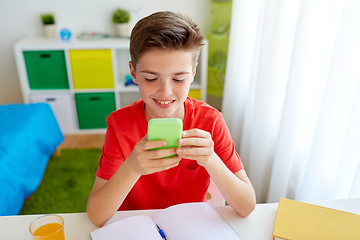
66, 184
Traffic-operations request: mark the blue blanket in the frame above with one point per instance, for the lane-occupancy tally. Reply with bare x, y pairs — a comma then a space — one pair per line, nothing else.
29, 135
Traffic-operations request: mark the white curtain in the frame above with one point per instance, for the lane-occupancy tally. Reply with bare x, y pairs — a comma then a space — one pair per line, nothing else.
292, 96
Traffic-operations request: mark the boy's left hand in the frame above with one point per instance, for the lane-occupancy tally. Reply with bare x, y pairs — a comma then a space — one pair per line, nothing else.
198, 145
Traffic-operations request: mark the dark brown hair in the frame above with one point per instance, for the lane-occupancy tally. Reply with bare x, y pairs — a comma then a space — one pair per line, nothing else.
165, 30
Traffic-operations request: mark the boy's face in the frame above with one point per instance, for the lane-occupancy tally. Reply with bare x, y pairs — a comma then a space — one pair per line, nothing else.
164, 78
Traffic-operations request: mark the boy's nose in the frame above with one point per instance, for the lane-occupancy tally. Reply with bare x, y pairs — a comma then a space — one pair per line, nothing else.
165, 88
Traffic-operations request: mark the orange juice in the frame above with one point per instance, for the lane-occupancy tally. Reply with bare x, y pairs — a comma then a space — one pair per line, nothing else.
50, 231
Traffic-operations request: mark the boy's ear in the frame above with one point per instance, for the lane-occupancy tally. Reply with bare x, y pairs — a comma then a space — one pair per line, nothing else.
132, 72
194, 71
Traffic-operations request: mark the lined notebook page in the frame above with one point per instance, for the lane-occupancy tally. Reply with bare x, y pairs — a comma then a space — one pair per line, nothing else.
194, 221
131, 228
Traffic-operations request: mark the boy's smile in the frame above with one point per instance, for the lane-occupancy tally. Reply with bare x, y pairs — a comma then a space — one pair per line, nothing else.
164, 78
164, 103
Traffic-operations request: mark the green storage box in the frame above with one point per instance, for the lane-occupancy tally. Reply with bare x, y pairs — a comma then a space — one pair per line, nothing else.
93, 109
46, 69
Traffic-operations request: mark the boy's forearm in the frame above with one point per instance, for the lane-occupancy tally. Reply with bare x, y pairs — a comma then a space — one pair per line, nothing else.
236, 188
105, 201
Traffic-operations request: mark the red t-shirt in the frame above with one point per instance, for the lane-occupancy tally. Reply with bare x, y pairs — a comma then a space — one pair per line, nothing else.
187, 182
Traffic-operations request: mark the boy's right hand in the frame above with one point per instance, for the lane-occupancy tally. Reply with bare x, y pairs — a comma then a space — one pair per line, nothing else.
144, 162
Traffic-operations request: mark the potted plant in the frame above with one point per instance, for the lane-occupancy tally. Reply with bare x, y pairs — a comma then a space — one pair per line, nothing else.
48, 21
121, 18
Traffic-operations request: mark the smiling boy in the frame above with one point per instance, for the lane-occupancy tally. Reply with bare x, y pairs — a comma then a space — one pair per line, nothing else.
164, 48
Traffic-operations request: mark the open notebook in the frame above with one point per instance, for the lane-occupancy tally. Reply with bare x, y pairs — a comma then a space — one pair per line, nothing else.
190, 221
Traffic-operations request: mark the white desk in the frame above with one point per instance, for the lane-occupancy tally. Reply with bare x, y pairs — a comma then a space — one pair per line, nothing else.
257, 226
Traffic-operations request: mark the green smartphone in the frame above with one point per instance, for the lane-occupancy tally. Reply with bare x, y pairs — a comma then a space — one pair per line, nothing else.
168, 129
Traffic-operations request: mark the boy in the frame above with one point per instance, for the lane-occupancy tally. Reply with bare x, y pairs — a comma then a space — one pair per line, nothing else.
164, 48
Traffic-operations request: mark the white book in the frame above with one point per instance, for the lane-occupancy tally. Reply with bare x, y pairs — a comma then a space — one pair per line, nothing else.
188, 221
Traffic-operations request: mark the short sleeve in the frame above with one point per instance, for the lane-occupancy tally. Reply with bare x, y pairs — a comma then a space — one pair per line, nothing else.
224, 145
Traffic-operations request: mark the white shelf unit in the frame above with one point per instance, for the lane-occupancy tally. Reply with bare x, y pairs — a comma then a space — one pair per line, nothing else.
63, 101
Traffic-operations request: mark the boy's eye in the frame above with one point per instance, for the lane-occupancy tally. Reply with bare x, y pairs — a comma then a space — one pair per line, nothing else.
179, 80
150, 79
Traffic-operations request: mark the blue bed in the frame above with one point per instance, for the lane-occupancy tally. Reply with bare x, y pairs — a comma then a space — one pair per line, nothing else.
29, 135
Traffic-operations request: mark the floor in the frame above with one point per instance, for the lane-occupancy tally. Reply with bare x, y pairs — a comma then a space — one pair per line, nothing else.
83, 141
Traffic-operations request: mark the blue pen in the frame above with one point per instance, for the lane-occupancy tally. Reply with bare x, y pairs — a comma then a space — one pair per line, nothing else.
162, 234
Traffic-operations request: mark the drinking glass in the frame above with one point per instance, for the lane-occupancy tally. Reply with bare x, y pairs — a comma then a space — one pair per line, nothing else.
47, 227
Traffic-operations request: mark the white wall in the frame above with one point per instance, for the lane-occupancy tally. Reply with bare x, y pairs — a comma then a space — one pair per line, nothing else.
21, 18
